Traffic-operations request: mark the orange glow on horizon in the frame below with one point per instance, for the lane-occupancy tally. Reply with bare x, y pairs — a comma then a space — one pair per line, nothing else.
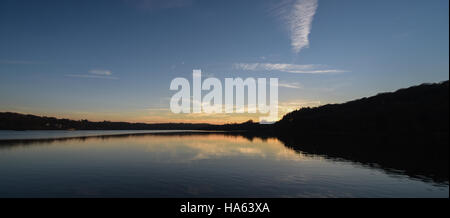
162, 115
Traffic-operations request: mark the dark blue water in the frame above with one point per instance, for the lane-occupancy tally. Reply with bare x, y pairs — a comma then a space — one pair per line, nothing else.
204, 165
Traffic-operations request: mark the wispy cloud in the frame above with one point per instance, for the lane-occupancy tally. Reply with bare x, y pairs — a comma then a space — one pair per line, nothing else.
289, 106
95, 74
298, 15
101, 72
289, 68
289, 85
163, 114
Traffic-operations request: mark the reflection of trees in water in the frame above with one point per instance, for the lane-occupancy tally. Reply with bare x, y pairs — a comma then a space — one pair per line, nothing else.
24, 142
423, 157
409, 155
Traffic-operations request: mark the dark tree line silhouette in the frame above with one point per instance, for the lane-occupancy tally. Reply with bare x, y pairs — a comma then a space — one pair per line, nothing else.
418, 109
16, 121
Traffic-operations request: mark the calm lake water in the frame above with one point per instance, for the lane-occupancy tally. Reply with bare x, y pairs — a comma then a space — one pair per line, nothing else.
185, 165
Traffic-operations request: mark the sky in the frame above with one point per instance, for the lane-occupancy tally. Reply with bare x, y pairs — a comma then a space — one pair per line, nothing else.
115, 59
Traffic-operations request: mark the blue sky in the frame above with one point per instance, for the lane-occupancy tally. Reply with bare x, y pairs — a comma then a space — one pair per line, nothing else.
115, 59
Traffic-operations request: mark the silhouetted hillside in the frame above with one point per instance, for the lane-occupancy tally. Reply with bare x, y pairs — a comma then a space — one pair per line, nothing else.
418, 109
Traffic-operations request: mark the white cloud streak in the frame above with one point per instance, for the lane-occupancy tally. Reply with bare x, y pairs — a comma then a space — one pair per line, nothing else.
95, 74
101, 72
289, 68
299, 15
289, 85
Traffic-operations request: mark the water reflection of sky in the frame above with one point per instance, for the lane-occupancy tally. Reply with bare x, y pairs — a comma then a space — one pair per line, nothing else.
211, 165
